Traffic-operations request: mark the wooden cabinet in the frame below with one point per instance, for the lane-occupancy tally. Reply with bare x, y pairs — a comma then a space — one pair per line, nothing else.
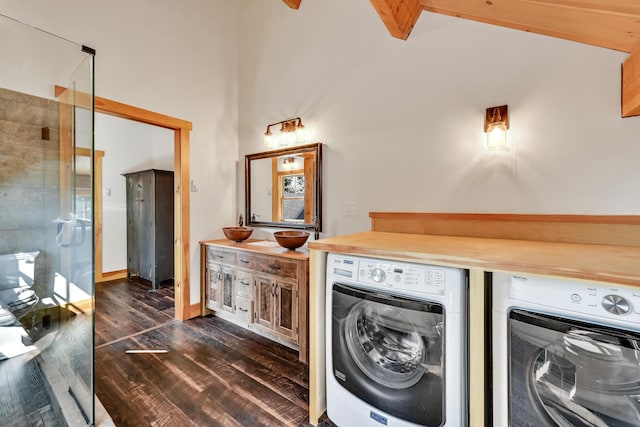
263, 289
276, 306
150, 225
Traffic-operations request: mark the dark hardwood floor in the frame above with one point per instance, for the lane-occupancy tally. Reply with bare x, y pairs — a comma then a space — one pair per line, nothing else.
213, 374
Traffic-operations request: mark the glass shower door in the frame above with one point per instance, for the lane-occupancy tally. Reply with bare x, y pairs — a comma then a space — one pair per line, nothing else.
74, 280
46, 233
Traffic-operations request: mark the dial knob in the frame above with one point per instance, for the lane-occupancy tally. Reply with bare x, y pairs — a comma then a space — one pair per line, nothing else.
615, 304
378, 275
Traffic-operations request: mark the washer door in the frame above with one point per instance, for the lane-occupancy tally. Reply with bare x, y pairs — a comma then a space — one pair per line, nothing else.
570, 373
385, 344
389, 351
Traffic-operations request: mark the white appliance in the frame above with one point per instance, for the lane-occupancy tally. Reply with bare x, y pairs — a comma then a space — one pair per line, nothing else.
565, 352
396, 343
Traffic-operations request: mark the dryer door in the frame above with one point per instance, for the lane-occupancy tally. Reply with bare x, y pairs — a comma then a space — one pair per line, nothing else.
569, 373
389, 352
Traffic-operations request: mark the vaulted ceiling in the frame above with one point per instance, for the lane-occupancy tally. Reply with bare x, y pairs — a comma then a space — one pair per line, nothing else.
612, 24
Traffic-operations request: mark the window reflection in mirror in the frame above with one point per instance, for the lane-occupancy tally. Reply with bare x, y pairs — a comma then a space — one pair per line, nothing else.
282, 187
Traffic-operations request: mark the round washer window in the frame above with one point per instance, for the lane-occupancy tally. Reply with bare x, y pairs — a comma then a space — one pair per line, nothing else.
385, 344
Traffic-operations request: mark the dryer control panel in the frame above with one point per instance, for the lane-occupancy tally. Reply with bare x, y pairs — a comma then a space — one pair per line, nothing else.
599, 299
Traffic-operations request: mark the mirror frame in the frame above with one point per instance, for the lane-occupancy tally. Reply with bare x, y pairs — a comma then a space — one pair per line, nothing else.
315, 148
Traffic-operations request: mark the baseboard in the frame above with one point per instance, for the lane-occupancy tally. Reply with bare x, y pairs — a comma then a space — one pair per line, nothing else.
111, 275
194, 310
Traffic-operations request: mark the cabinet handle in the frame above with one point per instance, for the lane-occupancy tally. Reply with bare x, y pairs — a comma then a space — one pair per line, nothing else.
243, 309
272, 292
244, 283
220, 256
245, 261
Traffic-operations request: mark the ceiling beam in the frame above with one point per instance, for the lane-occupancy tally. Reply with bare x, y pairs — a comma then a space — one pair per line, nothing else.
613, 24
631, 84
293, 4
399, 16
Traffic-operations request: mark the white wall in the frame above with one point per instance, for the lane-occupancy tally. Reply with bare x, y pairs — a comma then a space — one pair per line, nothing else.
178, 59
129, 146
403, 120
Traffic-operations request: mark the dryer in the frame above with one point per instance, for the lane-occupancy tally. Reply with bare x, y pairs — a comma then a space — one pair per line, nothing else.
396, 343
565, 352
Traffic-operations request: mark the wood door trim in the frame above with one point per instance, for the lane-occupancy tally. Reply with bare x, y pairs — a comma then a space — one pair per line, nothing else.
181, 130
97, 213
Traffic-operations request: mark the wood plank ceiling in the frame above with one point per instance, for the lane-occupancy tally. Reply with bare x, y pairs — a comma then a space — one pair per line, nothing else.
612, 24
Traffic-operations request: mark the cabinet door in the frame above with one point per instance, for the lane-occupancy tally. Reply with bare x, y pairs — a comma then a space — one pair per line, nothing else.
264, 301
227, 290
214, 275
286, 309
133, 237
145, 228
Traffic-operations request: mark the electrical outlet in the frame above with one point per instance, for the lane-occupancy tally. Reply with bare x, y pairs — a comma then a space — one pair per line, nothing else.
350, 208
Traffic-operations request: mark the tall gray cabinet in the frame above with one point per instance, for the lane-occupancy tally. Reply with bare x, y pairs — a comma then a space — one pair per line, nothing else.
150, 225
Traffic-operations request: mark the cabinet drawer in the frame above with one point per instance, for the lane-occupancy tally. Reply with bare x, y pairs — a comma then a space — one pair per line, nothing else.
275, 266
245, 260
244, 284
244, 310
218, 255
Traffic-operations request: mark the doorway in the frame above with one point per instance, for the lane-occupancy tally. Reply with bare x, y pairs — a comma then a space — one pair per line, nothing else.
184, 310
130, 146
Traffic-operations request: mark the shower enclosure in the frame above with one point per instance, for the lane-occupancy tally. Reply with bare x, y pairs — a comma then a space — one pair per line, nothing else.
46, 232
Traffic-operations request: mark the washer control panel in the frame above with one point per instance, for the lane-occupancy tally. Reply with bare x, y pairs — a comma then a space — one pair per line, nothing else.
410, 277
441, 284
600, 299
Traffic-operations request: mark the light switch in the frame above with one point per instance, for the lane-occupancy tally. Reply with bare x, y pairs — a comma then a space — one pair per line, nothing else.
350, 208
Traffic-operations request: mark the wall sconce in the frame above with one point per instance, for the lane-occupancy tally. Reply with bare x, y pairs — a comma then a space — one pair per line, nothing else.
496, 123
291, 133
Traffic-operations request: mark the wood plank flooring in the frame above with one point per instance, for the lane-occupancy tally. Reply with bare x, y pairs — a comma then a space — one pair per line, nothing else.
214, 373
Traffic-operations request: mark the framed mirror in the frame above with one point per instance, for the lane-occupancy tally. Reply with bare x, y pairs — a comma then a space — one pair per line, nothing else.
283, 188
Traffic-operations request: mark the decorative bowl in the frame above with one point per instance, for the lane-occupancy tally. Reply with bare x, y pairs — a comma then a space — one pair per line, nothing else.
237, 234
291, 239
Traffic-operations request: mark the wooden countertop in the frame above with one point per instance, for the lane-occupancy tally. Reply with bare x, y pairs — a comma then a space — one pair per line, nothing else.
615, 264
300, 253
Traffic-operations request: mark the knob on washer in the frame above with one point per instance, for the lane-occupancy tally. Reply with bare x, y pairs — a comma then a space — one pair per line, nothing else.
615, 304
378, 275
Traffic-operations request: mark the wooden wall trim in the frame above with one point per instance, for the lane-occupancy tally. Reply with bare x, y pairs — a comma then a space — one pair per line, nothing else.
617, 230
194, 310
97, 213
111, 275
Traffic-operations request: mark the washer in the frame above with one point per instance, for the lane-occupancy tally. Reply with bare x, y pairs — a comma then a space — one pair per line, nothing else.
565, 352
396, 343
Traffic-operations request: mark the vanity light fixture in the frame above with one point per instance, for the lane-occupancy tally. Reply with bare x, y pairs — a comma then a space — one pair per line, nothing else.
496, 123
291, 133
288, 163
